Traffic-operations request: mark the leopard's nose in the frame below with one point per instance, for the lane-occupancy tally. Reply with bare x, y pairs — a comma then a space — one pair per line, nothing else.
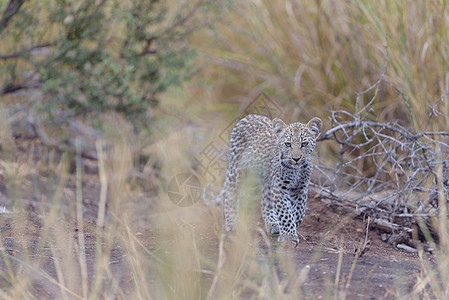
295, 159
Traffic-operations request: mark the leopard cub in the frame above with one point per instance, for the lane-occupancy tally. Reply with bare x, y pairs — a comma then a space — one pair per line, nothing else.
281, 153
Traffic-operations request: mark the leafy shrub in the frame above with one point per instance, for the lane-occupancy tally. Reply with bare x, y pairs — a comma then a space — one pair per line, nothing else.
90, 57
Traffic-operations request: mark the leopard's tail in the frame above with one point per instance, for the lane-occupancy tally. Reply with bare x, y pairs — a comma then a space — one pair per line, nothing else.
209, 198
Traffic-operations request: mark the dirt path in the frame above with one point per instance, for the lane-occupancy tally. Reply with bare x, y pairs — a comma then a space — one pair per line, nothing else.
380, 267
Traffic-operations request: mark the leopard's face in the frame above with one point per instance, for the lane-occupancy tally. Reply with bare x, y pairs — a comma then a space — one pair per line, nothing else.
296, 141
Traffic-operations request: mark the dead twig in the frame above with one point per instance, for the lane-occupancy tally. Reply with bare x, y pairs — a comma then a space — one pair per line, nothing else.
385, 171
11, 10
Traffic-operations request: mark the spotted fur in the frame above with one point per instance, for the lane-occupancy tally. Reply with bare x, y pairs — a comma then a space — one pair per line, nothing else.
281, 153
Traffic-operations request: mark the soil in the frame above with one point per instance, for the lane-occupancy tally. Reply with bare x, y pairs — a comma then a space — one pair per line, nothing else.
378, 268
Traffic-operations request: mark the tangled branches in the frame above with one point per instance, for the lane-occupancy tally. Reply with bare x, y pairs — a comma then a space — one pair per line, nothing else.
385, 169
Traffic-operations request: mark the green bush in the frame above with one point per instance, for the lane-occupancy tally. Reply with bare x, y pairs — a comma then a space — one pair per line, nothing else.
91, 57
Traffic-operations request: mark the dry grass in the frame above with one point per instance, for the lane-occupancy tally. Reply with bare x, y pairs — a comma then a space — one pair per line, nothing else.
176, 264
311, 56
315, 55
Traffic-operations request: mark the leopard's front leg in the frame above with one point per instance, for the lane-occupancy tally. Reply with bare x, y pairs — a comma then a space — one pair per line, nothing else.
300, 204
299, 192
286, 217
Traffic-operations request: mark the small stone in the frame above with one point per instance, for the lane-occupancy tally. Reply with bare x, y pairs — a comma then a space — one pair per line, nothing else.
407, 248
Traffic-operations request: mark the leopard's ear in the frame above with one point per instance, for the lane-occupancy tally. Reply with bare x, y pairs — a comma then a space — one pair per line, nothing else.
315, 126
278, 125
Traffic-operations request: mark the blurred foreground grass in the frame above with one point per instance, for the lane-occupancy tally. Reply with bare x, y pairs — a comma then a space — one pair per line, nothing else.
79, 236
310, 57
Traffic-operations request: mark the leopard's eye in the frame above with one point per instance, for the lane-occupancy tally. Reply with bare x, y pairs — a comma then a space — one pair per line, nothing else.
288, 144
304, 144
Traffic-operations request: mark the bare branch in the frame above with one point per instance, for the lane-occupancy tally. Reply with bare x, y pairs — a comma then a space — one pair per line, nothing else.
11, 88
383, 169
12, 9
24, 52
185, 18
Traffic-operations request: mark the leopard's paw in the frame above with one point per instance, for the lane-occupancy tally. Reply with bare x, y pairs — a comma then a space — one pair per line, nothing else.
230, 227
288, 238
274, 229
